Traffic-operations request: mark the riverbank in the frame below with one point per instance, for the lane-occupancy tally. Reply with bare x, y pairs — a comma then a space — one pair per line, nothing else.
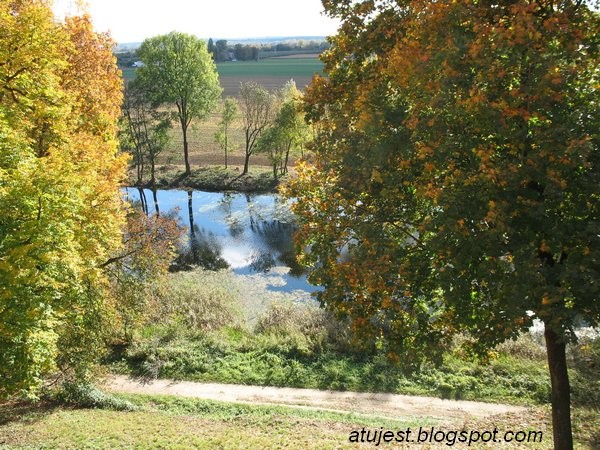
296, 344
213, 178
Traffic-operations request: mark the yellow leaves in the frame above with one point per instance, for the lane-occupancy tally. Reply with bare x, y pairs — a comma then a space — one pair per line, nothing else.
60, 201
92, 76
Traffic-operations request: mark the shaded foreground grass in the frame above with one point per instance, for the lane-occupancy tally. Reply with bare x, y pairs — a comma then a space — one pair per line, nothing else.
172, 422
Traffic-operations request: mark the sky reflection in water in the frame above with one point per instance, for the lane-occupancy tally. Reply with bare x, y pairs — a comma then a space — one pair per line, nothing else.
251, 234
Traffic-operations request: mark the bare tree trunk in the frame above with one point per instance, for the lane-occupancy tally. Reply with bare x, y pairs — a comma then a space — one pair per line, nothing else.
226, 148
246, 164
152, 170
140, 172
185, 150
287, 158
561, 396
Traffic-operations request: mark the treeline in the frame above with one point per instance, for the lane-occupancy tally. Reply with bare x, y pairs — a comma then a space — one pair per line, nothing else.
221, 50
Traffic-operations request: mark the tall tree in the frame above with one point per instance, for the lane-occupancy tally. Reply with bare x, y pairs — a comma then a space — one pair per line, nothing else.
210, 46
228, 115
178, 70
257, 107
457, 175
221, 50
61, 212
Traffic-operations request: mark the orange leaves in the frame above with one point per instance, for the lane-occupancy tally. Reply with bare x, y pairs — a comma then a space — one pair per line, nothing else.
544, 247
376, 176
424, 152
92, 75
483, 129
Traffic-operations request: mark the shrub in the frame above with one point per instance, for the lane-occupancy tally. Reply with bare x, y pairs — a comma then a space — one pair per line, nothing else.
85, 395
585, 373
524, 346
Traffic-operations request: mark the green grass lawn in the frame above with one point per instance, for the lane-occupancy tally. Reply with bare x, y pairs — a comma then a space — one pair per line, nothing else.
180, 423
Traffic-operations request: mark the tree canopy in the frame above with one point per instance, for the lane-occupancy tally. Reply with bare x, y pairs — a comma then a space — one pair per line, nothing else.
456, 180
61, 212
178, 70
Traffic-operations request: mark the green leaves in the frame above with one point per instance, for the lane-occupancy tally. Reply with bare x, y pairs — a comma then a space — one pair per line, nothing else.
178, 70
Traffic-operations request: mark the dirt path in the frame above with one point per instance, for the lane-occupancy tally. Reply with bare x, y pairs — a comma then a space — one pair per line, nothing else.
379, 405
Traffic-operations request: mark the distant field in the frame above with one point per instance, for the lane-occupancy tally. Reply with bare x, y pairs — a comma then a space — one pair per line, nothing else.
271, 73
284, 67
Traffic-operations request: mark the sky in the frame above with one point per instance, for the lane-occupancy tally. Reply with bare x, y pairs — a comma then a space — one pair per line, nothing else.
135, 20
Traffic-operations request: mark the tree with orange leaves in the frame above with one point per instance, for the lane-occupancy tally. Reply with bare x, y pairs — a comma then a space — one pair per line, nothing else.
456, 182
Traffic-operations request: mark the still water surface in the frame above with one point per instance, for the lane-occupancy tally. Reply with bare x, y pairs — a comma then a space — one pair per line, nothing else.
249, 233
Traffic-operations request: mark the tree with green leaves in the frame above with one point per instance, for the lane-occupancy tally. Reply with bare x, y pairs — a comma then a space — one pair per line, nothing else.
179, 70
221, 50
210, 46
257, 107
61, 211
456, 180
288, 132
228, 115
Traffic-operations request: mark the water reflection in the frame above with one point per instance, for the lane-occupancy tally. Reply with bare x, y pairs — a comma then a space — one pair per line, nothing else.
251, 234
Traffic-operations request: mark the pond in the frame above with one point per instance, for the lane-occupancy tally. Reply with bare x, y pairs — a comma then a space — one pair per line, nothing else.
250, 234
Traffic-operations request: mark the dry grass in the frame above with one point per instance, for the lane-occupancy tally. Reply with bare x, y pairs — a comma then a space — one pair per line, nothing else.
204, 149
231, 84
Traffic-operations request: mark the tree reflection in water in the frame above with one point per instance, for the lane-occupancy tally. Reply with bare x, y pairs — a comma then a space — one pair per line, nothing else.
202, 249
251, 234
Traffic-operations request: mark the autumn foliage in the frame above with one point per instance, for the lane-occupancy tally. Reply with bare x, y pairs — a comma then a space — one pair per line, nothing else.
456, 181
61, 212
